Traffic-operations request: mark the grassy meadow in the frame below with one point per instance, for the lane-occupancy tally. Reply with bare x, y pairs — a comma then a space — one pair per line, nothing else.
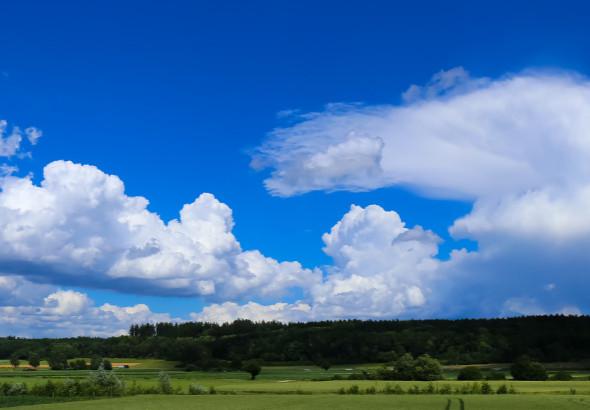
296, 387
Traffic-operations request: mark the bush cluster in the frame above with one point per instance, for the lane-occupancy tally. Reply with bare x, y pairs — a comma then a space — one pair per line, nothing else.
431, 388
422, 368
98, 383
526, 369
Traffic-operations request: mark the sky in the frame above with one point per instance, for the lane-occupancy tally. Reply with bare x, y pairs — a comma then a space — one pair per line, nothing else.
292, 161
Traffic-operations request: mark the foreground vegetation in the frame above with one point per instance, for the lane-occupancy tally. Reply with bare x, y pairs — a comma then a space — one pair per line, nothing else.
292, 387
296, 402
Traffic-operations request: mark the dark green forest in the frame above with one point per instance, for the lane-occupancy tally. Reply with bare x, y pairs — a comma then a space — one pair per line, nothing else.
206, 345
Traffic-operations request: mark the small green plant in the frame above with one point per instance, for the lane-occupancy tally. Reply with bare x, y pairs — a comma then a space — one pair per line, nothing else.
502, 389
105, 383
197, 389
414, 390
396, 389
354, 389
370, 390
429, 389
445, 389
17, 389
164, 383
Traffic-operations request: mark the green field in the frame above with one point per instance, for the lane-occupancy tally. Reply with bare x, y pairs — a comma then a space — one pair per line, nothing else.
333, 402
298, 387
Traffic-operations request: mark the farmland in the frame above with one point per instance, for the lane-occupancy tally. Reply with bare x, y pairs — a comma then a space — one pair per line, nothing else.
301, 387
264, 402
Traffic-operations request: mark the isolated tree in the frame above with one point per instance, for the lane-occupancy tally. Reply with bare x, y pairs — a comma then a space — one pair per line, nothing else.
403, 367
34, 360
95, 362
427, 368
526, 369
470, 373
252, 367
14, 360
59, 355
78, 364
322, 363
107, 365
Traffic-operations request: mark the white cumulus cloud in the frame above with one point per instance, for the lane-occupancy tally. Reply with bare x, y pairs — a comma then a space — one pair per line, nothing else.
381, 269
79, 227
64, 313
518, 147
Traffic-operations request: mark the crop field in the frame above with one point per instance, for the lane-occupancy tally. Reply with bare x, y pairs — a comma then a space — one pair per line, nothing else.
321, 401
297, 387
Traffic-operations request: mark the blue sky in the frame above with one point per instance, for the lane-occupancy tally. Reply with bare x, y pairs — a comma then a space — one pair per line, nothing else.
174, 98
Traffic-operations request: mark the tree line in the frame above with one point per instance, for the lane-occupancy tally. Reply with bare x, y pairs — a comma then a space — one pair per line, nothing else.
553, 338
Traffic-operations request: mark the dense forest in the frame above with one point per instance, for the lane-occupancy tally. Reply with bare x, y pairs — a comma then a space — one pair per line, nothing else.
207, 345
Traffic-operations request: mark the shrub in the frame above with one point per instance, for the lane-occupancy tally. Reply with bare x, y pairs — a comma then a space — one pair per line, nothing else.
470, 373
475, 388
69, 388
445, 389
502, 389
429, 389
103, 383
14, 389
354, 389
414, 390
486, 388
164, 383
397, 389
370, 390
47, 389
197, 389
